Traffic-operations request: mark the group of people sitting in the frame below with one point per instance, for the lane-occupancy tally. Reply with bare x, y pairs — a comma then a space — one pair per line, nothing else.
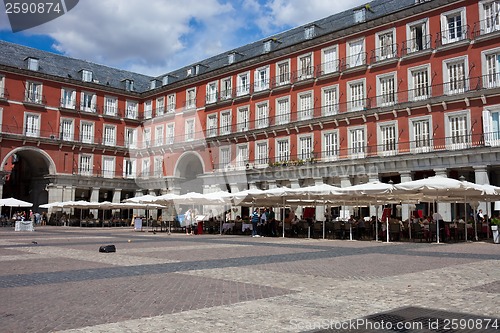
264, 222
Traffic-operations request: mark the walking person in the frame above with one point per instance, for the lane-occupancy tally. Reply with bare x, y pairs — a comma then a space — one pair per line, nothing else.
255, 221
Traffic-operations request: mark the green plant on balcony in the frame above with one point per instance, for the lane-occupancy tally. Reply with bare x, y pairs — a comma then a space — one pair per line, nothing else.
495, 221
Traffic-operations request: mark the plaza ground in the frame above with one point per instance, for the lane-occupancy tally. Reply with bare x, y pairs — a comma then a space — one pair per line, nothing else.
55, 280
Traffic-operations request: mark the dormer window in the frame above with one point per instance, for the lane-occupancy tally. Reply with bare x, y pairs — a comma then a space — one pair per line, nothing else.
87, 76
32, 64
129, 85
165, 80
359, 15
231, 58
267, 46
309, 32
189, 71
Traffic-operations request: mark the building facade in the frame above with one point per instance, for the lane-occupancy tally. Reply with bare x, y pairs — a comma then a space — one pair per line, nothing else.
391, 91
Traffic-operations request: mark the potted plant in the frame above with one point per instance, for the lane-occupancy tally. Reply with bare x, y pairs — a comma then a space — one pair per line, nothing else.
495, 225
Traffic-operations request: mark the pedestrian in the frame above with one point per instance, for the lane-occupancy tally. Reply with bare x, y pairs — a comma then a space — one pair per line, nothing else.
188, 220
255, 221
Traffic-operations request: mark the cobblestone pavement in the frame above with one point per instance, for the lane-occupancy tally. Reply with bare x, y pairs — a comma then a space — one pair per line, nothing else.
212, 283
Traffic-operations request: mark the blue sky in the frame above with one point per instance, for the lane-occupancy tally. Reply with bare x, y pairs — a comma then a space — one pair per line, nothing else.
166, 34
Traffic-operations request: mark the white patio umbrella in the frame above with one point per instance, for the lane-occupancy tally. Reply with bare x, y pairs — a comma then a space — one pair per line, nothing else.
13, 202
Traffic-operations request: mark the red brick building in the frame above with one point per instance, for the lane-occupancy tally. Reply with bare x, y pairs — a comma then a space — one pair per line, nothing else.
394, 90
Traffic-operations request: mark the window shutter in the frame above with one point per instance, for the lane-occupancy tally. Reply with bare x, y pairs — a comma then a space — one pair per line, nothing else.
487, 128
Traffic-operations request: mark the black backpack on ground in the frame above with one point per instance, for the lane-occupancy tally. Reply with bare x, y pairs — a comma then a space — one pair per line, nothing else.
107, 248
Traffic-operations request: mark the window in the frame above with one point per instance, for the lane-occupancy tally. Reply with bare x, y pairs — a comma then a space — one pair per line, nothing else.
88, 102
418, 38
454, 76
231, 57
225, 122
262, 115
359, 15
32, 125
306, 148
109, 135
158, 166
33, 64
191, 98
283, 73
68, 98
226, 88
420, 135
305, 67
283, 111
491, 126
86, 165
453, 26
309, 32
87, 132
108, 167
129, 85
2, 87
146, 137
159, 137
110, 106
212, 92
67, 129
171, 103
386, 89
243, 119
131, 110
243, 84
457, 130
305, 106
225, 157
356, 55
282, 150
145, 167
385, 45
261, 153
262, 78
330, 145
419, 84
170, 135
491, 79
267, 46
212, 125
356, 95
241, 155
86, 76
490, 20
387, 139
33, 92
330, 60
357, 142
189, 130
129, 168
148, 109
153, 84
130, 137
330, 101
160, 106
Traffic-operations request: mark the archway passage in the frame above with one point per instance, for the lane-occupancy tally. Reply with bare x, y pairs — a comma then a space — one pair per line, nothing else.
26, 176
188, 168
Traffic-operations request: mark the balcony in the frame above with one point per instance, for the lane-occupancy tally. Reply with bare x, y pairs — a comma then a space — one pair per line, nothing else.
447, 39
486, 29
416, 47
69, 105
385, 55
190, 104
88, 108
328, 70
353, 63
281, 82
34, 99
111, 111
303, 76
4, 94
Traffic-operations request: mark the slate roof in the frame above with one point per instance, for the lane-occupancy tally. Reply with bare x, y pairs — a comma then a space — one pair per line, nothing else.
53, 64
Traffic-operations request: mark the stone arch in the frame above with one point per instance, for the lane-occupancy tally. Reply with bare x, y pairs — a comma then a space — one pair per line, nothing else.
187, 169
22, 150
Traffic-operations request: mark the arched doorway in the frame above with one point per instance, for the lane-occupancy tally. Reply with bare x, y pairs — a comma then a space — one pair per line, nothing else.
26, 169
188, 168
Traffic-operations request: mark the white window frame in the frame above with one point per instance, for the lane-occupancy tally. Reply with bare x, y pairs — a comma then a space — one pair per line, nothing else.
110, 105
261, 158
356, 102
387, 146
491, 76
34, 92
225, 157
305, 103
262, 114
67, 132
33, 64
68, 98
159, 135
145, 167
160, 106
191, 98
212, 125
359, 59
386, 50
424, 145
226, 88
330, 147
243, 84
129, 168
189, 129
131, 108
146, 137
446, 33
108, 173
261, 79
386, 97
489, 23
456, 85
243, 118
171, 103
32, 123
412, 42
491, 131
463, 140
212, 92
241, 155
305, 145
328, 65
282, 154
282, 115
282, 73
2, 87
414, 91
88, 101
130, 138
86, 167
330, 106
225, 122
305, 68
170, 133
109, 135
357, 149
158, 166
87, 136
148, 109
87, 76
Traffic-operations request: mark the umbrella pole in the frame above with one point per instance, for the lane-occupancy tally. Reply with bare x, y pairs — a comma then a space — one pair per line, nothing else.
324, 218
437, 222
283, 217
387, 227
465, 217
376, 223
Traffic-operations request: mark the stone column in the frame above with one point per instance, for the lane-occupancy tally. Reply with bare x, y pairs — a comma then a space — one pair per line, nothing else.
94, 197
346, 211
482, 178
117, 195
320, 206
443, 208
373, 177
405, 177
